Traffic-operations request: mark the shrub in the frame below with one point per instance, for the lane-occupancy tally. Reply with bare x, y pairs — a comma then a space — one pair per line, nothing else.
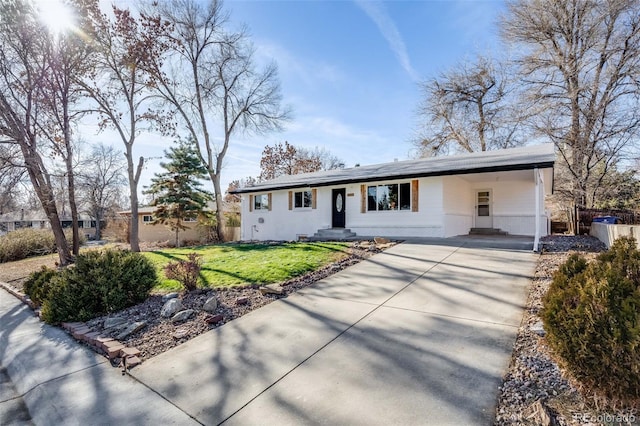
99, 282
592, 315
29, 242
186, 272
38, 284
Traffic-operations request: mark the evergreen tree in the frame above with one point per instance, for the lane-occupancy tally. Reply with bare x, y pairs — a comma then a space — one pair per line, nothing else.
177, 192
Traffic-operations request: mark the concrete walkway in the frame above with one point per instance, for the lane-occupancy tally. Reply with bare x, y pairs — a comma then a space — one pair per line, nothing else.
420, 334
64, 383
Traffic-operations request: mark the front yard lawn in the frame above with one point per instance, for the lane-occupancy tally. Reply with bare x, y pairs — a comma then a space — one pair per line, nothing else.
237, 264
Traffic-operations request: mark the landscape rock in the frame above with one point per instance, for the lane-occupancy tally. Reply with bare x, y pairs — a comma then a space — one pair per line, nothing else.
114, 322
381, 240
182, 315
170, 307
242, 300
210, 305
133, 328
180, 333
272, 289
169, 296
213, 319
539, 414
538, 328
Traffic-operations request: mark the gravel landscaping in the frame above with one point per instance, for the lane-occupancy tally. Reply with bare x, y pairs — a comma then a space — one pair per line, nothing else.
161, 334
536, 391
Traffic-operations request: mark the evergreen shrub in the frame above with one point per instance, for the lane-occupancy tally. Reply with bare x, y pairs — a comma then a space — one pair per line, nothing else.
592, 316
99, 282
38, 284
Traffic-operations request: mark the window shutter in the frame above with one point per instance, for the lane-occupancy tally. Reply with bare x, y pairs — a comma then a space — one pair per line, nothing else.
250, 203
414, 195
290, 200
314, 196
269, 197
363, 198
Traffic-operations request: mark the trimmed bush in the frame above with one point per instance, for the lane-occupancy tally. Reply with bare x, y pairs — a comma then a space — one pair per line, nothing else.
592, 316
100, 282
29, 242
38, 284
186, 272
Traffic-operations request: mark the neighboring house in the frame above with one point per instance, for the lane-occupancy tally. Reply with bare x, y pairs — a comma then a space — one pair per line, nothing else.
38, 220
429, 197
154, 233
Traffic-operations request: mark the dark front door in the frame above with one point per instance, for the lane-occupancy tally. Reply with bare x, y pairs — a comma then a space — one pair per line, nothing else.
338, 201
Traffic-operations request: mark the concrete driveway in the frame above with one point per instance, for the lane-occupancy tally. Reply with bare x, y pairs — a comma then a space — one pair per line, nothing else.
420, 334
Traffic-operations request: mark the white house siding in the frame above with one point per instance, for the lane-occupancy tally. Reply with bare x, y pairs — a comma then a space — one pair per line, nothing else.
513, 205
446, 207
458, 206
426, 222
280, 223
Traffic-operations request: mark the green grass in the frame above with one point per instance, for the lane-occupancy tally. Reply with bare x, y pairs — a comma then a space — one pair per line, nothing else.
238, 264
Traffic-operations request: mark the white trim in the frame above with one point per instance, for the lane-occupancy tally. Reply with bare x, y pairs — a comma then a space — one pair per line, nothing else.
536, 238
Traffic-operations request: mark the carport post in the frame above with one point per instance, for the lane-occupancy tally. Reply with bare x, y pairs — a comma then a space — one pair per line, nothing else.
536, 238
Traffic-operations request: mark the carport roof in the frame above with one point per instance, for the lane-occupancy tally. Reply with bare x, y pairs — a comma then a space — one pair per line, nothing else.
524, 158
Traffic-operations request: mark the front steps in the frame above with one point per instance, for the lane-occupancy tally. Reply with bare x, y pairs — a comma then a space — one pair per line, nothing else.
333, 234
487, 231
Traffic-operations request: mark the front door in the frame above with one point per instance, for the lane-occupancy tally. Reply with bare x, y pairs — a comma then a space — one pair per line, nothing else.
483, 209
338, 218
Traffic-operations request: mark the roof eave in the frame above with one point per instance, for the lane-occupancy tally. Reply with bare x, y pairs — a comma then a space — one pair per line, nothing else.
504, 168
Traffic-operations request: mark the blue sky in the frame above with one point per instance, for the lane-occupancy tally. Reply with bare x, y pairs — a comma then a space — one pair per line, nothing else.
350, 71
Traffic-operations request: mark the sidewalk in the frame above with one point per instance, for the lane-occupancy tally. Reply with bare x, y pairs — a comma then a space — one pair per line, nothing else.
62, 382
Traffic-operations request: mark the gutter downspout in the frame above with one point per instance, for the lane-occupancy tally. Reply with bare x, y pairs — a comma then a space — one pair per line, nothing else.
536, 238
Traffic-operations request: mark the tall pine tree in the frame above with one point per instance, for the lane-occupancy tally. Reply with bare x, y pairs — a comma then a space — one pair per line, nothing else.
177, 192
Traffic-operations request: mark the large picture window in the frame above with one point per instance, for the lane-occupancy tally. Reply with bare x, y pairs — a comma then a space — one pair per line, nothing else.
261, 202
392, 196
302, 199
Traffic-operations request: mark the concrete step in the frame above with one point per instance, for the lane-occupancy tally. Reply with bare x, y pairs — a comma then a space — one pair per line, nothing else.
487, 231
333, 234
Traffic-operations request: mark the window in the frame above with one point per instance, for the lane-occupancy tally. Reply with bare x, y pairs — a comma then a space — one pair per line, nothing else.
302, 199
261, 202
392, 196
147, 218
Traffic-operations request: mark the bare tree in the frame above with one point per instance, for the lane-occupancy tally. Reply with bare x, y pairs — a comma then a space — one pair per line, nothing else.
100, 182
12, 173
121, 89
467, 109
68, 58
209, 70
328, 161
23, 71
286, 159
580, 61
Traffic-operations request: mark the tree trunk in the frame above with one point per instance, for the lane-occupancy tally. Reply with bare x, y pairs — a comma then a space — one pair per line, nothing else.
219, 206
98, 234
42, 188
134, 176
72, 202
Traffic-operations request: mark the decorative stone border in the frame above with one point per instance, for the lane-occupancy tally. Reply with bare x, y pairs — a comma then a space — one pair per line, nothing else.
103, 345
